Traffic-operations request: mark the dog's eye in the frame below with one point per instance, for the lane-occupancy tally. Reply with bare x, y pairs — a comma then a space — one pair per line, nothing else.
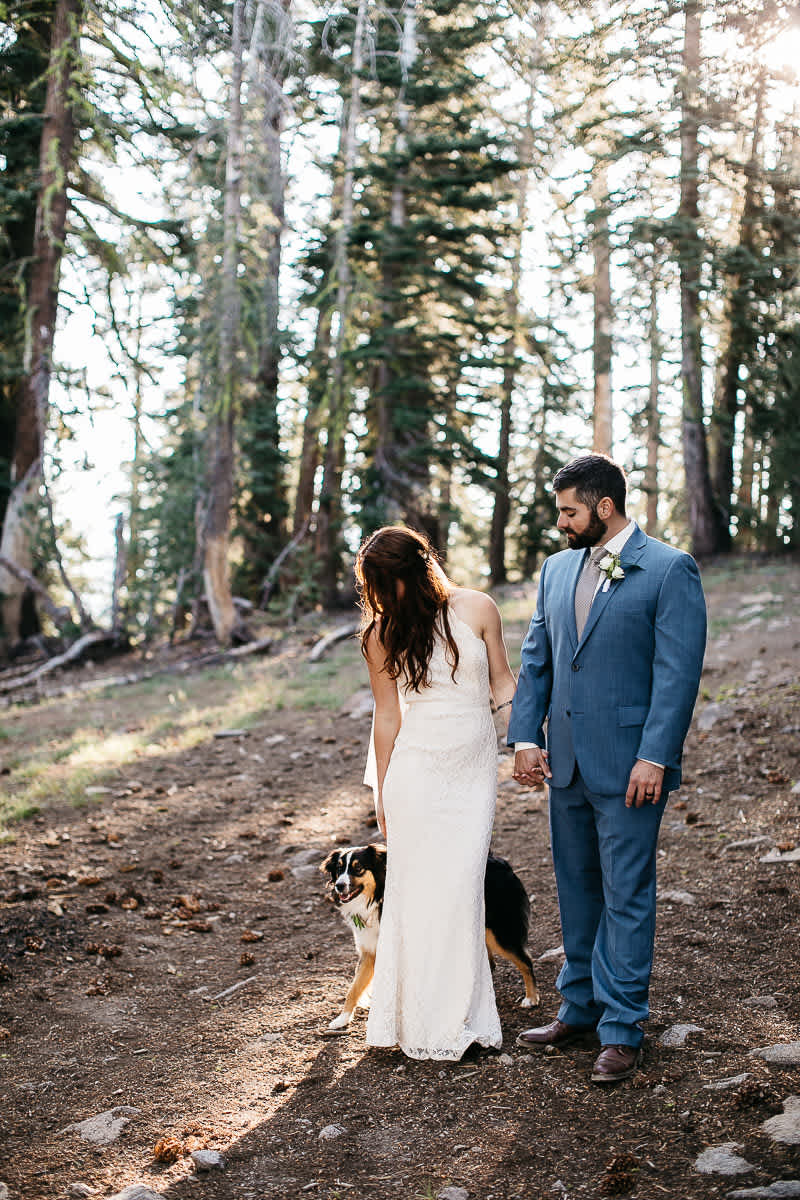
356, 868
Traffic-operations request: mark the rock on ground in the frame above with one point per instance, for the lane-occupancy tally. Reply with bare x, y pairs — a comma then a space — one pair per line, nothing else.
453, 1193
106, 1127
208, 1160
676, 1035
785, 1054
329, 1132
723, 1160
137, 1191
781, 1189
732, 1081
785, 1127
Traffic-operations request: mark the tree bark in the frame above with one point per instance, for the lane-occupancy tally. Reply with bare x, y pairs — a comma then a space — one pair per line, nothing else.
726, 406
602, 411
653, 414
703, 520
329, 514
501, 510
216, 530
55, 162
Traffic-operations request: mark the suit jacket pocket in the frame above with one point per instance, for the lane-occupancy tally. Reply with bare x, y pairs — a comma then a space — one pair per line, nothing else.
632, 714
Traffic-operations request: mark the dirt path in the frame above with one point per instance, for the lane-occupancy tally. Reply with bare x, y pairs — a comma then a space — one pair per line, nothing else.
168, 948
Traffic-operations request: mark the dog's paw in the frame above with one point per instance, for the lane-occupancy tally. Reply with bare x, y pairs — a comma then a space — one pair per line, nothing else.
530, 1001
340, 1023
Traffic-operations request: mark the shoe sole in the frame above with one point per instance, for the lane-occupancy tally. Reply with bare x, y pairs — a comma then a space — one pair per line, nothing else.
563, 1041
597, 1078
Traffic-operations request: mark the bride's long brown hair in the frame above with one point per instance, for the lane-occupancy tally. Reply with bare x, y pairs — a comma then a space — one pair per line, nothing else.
407, 615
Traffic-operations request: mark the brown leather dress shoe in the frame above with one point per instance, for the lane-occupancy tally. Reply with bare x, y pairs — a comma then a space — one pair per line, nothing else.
615, 1063
556, 1034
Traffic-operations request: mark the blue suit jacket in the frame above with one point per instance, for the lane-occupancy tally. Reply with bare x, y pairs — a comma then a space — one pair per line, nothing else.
627, 689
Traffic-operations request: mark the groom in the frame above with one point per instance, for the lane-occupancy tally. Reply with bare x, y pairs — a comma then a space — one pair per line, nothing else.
611, 663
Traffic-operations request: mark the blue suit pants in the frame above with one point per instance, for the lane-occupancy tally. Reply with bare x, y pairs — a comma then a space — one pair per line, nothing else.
604, 856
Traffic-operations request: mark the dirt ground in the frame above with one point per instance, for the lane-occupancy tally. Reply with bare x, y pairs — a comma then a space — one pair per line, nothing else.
168, 947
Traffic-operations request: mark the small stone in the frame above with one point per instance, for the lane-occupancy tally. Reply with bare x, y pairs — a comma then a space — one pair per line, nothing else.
676, 1035
722, 1160
329, 1133
106, 1127
659, 1090
453, 1193
275, 739
269, 1039
761, 1002
229, 733
722, 1085
96, 790
556, 952
78, 1191
712, 713
505, 1060
785, 1128
4, 1192
137, 1191
785, 1054
796, 789
676, 897
208, 1160
781, 1189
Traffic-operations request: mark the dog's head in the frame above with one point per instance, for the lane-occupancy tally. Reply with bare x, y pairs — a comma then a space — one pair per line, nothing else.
356, 871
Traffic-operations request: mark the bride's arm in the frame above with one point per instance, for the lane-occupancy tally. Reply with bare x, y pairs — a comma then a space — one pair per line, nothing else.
387, 715
501, 678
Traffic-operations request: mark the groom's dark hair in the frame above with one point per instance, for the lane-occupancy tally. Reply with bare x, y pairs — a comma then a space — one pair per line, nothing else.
594, 476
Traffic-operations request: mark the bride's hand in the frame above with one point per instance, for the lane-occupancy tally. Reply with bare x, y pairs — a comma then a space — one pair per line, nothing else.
381, 820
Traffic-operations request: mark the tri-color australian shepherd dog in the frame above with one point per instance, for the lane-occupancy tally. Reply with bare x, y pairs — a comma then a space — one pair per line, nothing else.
357, 876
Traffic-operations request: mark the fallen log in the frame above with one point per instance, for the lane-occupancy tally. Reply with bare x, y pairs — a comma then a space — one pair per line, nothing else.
61, 660
330, 639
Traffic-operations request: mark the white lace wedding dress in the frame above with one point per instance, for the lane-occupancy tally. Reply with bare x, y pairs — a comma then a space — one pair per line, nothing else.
432, 994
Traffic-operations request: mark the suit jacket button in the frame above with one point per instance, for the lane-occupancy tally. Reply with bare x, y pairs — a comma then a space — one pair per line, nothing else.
576, 666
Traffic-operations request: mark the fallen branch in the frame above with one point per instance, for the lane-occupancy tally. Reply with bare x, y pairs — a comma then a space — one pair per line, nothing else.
262, 646
59, 616
337, 635
61, 660
272, 573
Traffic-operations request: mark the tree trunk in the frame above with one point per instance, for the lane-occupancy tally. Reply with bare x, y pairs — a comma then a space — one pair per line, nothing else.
744, 495
653, 414
216, 530
501, 510
602, 412
55, 161
726, 406
329, 515
703, 520
265, 513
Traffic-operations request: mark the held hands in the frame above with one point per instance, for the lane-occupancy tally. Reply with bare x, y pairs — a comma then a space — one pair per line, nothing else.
381, 819
645, 784
531, 767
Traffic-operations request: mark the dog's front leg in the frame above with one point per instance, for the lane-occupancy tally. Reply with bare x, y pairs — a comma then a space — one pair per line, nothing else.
361, 981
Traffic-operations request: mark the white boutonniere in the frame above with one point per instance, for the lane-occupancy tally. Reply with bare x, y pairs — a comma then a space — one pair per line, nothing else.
610, 567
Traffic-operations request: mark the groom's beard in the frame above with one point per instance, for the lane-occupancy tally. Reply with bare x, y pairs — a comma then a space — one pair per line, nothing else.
594, 531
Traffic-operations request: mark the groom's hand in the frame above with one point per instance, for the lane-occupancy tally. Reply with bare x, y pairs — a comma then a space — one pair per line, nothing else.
531, 766
644, 786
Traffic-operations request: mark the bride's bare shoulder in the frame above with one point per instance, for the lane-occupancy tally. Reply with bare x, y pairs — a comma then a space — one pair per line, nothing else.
474, 607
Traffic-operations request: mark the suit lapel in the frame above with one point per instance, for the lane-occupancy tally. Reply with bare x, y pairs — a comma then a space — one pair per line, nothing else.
629, 560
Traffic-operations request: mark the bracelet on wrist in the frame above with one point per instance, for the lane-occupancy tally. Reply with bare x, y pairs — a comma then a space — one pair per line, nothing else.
505, 704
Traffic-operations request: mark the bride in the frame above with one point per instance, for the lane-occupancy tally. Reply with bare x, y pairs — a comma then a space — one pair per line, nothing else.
435, 654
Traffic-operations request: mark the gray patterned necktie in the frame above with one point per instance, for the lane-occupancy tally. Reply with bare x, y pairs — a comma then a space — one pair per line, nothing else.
587, 586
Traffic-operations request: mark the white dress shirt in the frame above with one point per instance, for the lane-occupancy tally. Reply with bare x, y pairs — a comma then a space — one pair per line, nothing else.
614, 545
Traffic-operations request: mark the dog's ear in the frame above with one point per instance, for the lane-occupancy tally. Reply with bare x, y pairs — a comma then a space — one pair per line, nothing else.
378, 854
331, 863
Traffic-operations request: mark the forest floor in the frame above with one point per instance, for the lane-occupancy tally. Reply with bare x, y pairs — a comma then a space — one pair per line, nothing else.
150, 865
